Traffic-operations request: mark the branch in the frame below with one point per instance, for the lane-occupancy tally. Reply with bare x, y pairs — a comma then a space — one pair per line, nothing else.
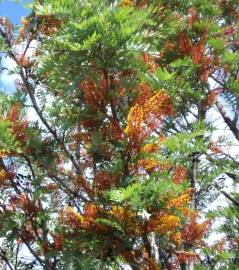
2, 255
34, 253
36, 107
30, 165
229, 197
46, 124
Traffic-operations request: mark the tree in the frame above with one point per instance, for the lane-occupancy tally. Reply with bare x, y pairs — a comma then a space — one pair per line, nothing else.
117, 164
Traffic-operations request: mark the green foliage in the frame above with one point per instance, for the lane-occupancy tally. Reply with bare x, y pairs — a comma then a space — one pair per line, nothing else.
7, 140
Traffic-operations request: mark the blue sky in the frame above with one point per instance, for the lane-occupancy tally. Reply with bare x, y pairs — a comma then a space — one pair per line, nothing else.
13, 10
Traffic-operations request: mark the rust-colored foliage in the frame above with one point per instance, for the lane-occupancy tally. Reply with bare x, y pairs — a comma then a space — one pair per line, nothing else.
150, 62
179, 175
185, 44
48, 24
58, 242
194, 231
18, 125
197, 52
104, 180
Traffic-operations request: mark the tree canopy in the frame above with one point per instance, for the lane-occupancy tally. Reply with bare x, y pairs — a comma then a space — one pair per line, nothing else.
122, 132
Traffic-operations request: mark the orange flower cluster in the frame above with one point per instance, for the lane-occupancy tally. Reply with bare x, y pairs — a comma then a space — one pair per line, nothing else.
177, 238
122, 213
3, 178
181, 201
79, 182
128, 219
69, 217
24, 203
197, 52
143, 119
148, 164
51, 187
4, 153
127, 3
24, 61
169, 46
140, 257
206, 68
163, 223
214, 148
2, 175
26, 236
150, 148
134, 122
187, 48
150, 264
159, 105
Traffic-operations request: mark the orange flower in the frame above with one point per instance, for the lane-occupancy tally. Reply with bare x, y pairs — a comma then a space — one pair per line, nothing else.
134, 121
145, 118
177, 238
25, 21
69, 217
180, 201
122, 213
148, 164
150, 147
127, 3
163, 223
4, 153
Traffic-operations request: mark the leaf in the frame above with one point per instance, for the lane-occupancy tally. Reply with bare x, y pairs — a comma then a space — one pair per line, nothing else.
163, 75
217, 44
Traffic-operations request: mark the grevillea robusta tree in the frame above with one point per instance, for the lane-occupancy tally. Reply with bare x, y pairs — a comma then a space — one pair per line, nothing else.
109, 154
